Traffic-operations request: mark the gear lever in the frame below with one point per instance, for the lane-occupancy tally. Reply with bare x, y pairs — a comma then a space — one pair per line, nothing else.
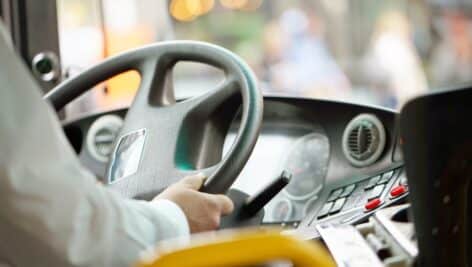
249, 210
255, 203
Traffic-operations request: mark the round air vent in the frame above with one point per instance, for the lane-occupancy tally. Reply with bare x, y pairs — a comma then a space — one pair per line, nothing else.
101, 136
364, 140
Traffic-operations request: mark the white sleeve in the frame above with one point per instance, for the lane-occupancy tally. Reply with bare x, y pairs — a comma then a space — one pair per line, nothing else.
52, 211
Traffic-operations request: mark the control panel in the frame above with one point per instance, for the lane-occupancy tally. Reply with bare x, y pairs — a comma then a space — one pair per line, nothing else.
355, 202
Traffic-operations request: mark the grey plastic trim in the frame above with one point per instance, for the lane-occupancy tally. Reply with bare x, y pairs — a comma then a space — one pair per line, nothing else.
103, 122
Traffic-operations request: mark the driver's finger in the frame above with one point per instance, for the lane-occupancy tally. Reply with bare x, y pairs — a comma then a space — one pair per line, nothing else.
194, 181
225, 203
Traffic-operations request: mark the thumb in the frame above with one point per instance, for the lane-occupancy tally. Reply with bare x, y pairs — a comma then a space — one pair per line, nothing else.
194, 181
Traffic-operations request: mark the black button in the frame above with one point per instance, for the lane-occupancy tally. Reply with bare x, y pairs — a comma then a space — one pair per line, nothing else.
348, 190
372, 182
385, 177
337, 206
335, 194
377, 192
325, 210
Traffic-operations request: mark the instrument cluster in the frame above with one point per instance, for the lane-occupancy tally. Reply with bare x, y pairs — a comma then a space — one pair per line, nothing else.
304, 153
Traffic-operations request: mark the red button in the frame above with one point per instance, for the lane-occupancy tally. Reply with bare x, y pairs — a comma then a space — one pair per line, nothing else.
374, 203
398, 191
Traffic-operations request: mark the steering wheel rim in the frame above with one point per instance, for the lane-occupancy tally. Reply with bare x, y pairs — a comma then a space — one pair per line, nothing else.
155, 100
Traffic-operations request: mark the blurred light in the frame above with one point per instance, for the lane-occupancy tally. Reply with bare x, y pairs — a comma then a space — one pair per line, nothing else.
233, 4
187, 10
338, 7
251, 5
200, 7
180, 10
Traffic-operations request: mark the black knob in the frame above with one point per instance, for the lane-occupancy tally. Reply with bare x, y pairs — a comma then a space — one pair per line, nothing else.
255, 203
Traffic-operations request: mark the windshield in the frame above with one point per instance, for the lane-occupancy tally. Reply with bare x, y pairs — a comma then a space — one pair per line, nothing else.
371, 52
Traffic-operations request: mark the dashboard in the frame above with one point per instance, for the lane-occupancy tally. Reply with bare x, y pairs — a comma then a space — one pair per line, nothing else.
344, 158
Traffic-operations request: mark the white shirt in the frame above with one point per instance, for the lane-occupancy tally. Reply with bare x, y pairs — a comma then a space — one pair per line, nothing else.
52, 211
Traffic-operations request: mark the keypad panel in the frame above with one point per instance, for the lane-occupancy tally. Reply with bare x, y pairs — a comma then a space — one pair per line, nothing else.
357, 194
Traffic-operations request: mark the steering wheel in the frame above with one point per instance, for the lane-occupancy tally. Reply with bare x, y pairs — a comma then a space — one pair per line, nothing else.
158, 131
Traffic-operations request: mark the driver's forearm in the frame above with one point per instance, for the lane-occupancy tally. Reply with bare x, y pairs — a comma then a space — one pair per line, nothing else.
52, 212
71, 228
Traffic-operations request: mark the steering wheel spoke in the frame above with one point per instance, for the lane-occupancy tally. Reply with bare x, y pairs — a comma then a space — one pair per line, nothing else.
157, 82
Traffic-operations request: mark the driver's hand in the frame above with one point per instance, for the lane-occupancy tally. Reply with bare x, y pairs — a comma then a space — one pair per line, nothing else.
203, 210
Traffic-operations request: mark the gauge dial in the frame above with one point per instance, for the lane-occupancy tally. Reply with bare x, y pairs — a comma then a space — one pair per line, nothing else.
307, 160
282, 210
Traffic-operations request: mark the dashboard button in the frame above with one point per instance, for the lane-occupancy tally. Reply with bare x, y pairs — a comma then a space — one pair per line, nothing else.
337, 206
354, 201
377, 192
325, 210
403, 181
374, 203
335, 194
385, 177
398, 191
372, 182
348, 190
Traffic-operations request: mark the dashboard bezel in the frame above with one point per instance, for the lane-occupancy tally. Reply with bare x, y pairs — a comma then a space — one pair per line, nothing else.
331, 116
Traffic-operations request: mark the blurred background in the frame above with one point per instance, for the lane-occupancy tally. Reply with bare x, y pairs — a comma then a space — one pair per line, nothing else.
363, 51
